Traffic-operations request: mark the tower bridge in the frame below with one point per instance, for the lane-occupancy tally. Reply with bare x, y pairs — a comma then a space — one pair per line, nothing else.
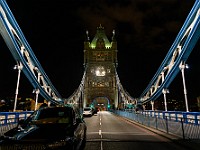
100, 62
100, 82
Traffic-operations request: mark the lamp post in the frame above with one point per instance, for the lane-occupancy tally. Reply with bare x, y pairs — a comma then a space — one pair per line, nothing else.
152, 105
182, 67
36, 91
19, 67
165, 91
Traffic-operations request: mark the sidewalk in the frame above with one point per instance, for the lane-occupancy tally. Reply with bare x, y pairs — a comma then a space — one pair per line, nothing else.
190, 144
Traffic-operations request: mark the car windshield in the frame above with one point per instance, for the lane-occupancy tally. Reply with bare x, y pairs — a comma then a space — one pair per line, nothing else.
53, 115
87, 109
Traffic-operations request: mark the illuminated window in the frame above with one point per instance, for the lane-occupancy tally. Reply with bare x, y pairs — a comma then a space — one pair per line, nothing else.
100, 71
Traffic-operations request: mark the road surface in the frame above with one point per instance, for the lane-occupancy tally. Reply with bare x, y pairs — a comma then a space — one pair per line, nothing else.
107, 131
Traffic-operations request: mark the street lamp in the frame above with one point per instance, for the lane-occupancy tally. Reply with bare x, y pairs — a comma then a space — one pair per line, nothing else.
19, 67
36, 91
152, 105
182, 67
165, 91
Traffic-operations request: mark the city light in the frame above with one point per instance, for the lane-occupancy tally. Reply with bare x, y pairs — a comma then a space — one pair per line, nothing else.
100, 71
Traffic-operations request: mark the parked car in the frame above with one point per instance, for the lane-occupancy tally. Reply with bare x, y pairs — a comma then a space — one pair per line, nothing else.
48, 128
87, 111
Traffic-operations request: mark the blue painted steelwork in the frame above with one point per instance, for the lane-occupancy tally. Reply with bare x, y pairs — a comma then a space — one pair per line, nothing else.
24, 55
178, 54
178, 116
13, 117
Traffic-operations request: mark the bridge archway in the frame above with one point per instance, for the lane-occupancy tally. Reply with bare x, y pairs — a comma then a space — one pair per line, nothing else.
101, 103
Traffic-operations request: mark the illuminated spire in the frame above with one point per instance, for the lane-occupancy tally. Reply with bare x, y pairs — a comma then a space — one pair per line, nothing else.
100, 27
87, 35
113, 37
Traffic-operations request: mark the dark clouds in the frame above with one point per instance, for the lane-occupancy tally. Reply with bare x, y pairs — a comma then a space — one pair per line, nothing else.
145, 30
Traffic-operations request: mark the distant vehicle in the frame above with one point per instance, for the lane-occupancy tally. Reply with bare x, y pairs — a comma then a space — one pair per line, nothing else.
95, 111
48, 128
87, 111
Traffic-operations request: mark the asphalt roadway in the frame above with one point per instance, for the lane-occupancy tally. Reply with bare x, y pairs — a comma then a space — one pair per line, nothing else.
107, 131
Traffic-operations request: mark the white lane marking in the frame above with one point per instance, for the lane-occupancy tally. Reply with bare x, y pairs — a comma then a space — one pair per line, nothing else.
100, 133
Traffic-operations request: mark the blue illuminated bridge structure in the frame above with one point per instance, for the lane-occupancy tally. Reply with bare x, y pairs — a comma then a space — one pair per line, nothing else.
100, 62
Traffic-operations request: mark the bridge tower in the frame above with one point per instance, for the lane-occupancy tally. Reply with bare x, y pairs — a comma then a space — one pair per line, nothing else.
100, 62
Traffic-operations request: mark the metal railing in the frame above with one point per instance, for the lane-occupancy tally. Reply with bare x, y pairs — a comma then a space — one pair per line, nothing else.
9, 120
186, 128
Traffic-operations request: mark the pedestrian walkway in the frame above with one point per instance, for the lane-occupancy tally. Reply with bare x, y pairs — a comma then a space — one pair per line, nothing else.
188, 143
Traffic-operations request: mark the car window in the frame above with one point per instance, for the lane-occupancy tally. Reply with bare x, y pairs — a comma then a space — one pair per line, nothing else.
87, 109
51, 115
54, 113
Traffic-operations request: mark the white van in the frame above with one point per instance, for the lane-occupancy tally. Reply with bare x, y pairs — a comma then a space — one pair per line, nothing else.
87, 111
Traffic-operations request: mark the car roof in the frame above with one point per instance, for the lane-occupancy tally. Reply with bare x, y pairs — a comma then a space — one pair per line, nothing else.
56, 107
87, 108
66, 107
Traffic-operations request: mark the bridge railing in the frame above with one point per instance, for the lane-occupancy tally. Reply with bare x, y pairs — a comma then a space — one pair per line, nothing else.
188, 117
185, 125
9, 120
182, 124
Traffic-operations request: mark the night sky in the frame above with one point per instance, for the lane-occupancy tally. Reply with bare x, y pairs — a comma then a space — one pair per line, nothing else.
55, 30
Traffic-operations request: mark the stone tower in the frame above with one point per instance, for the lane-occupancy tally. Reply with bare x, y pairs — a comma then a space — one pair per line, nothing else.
100, 62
